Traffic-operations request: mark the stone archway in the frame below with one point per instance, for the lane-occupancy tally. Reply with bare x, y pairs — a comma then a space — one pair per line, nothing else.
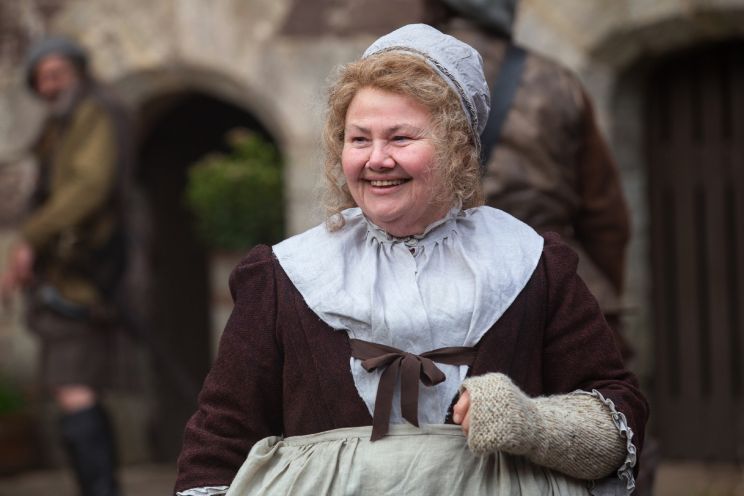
178, 123
631, 56
144, 89
613, 46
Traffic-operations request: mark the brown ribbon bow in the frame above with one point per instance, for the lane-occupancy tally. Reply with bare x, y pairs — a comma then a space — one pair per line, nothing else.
411, 368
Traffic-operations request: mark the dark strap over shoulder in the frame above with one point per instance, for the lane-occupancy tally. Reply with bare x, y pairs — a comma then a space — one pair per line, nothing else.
503, 91
411, 369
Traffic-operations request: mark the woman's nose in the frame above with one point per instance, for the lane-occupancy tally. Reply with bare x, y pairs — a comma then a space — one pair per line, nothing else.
379, 157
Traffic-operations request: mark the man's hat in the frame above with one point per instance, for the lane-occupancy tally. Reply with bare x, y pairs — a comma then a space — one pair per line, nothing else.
459, 65
496, 16
57, 46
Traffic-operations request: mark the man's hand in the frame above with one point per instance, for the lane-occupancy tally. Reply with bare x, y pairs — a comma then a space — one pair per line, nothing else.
18, 270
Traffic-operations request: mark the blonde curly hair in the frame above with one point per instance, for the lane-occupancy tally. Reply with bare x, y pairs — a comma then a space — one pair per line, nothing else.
457, 156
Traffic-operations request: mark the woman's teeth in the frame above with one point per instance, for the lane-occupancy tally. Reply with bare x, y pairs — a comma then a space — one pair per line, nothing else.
387, 182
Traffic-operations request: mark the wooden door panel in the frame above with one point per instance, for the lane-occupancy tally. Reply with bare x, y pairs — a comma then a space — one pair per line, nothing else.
695, 144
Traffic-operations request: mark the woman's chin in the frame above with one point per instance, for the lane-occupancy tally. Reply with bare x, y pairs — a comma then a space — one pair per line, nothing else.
396, 225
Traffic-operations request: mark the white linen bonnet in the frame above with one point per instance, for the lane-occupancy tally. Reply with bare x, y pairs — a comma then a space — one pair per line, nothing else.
459, 64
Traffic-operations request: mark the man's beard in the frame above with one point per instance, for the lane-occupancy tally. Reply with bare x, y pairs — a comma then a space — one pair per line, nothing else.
63, 104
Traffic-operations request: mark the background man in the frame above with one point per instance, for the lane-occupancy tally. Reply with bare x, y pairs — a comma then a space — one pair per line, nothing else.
70, 253
549, 165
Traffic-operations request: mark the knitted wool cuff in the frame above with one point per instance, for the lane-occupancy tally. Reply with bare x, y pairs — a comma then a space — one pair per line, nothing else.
571, 433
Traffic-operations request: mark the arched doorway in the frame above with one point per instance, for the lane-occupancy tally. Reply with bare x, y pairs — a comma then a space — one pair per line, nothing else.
695, 151
177, 130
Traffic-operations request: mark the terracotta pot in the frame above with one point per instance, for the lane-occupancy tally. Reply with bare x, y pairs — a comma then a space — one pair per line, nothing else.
17, 443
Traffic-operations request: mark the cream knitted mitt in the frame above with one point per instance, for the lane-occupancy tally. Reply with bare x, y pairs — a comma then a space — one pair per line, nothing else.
571, 433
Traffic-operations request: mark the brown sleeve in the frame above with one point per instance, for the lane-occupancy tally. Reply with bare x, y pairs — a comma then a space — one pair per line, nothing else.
241, 400
602, 224
579, 351
89, 170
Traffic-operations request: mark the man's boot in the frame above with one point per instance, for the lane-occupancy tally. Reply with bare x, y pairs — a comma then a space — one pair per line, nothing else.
89, 440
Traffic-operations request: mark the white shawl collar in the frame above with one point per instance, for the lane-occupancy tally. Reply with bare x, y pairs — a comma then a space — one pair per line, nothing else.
466, 271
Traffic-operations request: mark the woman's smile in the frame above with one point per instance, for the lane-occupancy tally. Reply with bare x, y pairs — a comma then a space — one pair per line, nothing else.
386, 183
388, 161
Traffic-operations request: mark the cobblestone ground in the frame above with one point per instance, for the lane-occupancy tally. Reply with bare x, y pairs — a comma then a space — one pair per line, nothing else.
673, 479
137, 480
699, 479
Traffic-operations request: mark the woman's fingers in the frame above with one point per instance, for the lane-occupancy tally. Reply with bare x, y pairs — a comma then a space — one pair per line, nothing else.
461, 411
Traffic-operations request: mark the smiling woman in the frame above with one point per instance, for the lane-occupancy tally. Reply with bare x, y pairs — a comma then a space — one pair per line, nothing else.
446, 127
388, 162
356, 347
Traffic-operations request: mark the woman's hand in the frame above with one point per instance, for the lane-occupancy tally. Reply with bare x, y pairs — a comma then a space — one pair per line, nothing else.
461, 412
572, 433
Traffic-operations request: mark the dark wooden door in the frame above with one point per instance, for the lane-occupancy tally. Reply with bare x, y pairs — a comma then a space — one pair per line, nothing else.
695, 145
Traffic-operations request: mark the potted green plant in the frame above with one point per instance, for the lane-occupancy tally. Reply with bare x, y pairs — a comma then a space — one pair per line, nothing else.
17, 439
237, 196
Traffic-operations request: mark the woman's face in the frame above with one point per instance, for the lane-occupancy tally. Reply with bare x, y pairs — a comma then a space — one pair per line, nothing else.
388, 161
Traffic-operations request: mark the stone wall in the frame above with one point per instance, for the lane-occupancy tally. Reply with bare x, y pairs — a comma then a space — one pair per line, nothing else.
257, 55
253, 53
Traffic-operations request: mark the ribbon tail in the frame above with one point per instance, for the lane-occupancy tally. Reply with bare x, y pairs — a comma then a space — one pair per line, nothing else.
384, 401
409, 389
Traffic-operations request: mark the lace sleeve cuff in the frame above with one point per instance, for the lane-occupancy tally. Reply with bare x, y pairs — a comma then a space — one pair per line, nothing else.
624, 483
204, 491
